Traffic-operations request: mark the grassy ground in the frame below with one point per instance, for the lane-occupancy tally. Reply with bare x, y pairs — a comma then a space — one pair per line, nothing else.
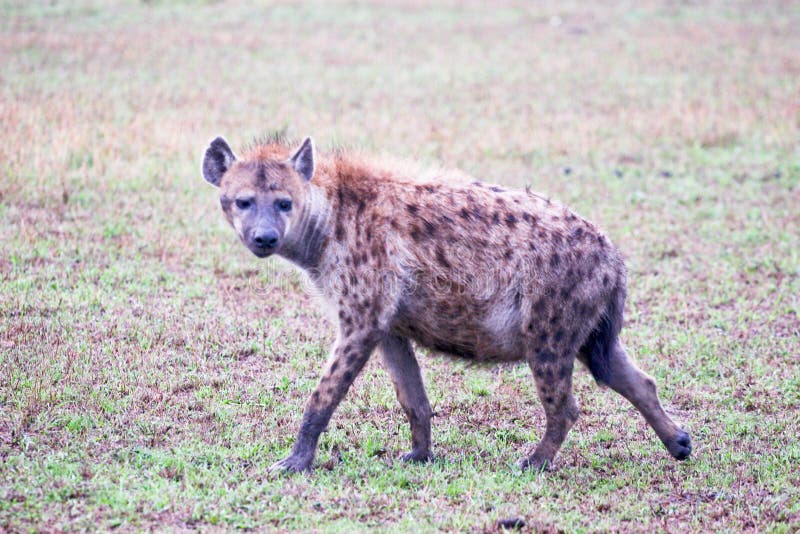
151, 369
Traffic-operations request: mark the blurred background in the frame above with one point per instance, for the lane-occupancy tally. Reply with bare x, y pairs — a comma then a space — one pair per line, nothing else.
151, 368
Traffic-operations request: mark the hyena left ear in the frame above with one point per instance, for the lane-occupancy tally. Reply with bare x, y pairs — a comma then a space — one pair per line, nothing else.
303, 159
217, 160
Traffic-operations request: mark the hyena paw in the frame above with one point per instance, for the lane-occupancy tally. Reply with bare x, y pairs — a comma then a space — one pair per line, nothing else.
535, 463
680, 446
417, 456
291, 464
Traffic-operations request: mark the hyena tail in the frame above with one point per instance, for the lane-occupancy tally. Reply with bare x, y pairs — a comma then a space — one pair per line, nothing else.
596, 351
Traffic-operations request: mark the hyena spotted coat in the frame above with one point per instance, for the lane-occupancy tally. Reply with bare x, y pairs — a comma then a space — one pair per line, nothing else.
464, 268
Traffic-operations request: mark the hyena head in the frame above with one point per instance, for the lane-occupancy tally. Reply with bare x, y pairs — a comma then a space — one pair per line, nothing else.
261, 198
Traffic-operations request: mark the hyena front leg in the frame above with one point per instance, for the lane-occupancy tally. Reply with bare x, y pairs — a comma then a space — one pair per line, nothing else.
553, 374
350, 354
402, 366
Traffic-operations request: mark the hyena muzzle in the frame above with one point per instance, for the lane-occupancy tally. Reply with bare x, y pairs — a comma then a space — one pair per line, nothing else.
464, 268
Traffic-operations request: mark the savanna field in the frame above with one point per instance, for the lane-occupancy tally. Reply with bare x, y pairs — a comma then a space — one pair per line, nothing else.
152, 369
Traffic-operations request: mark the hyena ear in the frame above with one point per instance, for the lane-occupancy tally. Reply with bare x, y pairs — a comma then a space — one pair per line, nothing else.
303, 159
218, 159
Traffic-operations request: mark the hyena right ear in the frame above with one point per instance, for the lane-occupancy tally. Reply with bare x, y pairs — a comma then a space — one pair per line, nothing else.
303, 159
218, 159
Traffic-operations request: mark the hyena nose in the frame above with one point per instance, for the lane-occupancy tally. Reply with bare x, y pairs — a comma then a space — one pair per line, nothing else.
268, 239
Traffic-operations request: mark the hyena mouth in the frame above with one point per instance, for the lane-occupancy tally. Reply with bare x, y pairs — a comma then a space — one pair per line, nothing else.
262, 252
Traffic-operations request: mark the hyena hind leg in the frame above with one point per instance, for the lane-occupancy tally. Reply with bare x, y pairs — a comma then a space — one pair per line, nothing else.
553, 375
624, 377
402, 366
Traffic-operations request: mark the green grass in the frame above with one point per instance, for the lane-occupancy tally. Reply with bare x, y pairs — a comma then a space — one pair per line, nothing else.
151, 369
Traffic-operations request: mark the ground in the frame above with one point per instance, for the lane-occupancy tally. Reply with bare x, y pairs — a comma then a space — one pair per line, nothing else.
136, 393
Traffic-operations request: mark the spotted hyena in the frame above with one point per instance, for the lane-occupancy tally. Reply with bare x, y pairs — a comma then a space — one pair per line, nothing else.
464, 268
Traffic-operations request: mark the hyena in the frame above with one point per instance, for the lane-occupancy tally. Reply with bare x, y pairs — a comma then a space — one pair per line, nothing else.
464, 268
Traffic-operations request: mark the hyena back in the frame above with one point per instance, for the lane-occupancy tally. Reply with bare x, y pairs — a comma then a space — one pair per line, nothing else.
464, 268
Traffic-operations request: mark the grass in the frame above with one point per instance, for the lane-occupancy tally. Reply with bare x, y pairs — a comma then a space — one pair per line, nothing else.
151, 369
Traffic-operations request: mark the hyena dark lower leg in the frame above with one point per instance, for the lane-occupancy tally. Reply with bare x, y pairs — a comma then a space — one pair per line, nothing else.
636, 386
402, 366
553, 374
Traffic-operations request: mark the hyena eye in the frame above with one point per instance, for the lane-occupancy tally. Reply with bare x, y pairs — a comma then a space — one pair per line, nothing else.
243, 203
284, 204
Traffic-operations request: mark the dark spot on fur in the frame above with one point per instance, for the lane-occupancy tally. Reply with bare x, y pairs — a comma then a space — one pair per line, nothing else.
334, 366
412, 208
339, 232
543, 338
464, 214
496, 217
540, 306
315, 395
548, 399
564, 372
546, 356
509, 253
348, 376
576, 235
606, 280
261, 174
555, 259
526, 216
497, 189
559, 336
440, 257
430, 229
511, 220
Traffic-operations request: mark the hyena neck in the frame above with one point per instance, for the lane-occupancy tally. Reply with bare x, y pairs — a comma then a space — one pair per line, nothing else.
306, 241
